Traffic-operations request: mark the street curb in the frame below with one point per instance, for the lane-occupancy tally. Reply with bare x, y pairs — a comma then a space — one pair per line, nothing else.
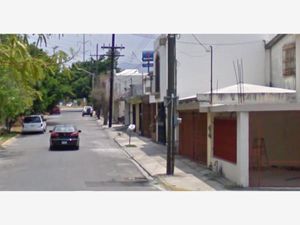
139, 166
165, 184
8, 141
171, 187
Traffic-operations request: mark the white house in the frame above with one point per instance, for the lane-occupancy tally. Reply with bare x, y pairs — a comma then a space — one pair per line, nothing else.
194, 66
283, 62
250, 132
122, 83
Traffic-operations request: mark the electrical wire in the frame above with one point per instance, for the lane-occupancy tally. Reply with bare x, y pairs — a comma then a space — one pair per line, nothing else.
222, 44
199, 42
145, 36
203, 43
193, 56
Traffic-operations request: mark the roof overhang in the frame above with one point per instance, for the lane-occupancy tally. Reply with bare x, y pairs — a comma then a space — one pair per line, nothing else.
250, 107
274, 41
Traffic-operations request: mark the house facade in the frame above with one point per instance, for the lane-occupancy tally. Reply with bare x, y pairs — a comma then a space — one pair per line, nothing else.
194, 67
123, 82
250, 130
283, 62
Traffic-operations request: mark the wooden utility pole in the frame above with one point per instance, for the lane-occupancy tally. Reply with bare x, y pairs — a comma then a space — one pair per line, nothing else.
112, 67
83, 44
171, 101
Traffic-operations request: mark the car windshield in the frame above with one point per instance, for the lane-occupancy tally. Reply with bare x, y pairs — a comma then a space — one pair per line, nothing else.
32, 119
64, 129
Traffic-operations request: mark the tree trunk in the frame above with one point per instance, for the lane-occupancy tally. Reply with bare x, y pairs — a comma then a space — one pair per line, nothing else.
8, 124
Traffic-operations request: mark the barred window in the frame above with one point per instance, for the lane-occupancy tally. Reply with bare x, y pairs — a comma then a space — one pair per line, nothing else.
289, 59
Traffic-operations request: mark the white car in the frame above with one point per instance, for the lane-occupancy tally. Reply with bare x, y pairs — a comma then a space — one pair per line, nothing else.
87, 110
34, 123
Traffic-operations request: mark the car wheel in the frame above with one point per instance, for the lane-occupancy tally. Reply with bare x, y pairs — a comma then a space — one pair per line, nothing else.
76, 148
51, 148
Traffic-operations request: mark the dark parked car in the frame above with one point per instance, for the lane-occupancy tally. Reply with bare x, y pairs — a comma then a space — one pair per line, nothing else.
64, 136
55, 110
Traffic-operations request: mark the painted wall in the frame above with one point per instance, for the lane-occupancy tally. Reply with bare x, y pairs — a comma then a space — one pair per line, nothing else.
194, 62
161, 50
250, 98
275, 73
122, 84
237, 172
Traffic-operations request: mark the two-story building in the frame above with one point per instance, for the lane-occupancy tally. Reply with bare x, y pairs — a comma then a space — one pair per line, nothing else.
249, 132
194, 66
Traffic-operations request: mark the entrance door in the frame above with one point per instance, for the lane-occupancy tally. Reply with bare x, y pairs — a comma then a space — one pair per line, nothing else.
161, 123
133, 115
141, 119
193, 136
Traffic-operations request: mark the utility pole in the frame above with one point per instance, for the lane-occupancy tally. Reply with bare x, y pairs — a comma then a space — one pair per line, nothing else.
97, 54
97, 58
83, 47
112, 66
211, 74
171, 100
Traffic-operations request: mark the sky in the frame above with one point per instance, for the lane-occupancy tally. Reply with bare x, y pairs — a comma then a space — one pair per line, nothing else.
134, 45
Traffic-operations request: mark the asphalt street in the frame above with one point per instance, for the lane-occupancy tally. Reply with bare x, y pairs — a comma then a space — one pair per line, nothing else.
26, 164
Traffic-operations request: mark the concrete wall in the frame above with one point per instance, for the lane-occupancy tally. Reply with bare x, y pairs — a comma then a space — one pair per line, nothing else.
121, 82
127, 113
193, 71
239, 172
275, 73
193, 62
251, 98
162, 51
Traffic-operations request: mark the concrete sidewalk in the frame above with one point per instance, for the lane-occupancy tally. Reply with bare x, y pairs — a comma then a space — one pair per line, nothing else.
188, 175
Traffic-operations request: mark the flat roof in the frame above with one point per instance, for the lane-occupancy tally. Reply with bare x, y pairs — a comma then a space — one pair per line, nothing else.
250, 107
249, 88
129, 72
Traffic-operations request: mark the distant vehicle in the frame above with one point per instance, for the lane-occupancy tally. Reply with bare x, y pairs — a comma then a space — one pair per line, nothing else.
87, 110
64, 136
69, 104
55, 110
34, 123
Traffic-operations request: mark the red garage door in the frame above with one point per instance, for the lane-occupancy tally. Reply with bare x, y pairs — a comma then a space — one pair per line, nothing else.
193, 136
225, 139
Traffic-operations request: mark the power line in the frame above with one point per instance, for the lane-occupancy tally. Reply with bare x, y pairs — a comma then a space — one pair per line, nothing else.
204, 43
199, 42
193, 56
222, 44
144, 36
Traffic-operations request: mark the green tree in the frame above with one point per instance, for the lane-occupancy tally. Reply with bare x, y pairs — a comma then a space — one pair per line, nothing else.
19, 72
30, 80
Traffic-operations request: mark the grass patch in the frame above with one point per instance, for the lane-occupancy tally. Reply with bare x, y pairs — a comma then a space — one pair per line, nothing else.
6, 136
130, 146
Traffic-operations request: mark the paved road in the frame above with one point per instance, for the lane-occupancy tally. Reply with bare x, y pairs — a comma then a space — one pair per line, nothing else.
27, 164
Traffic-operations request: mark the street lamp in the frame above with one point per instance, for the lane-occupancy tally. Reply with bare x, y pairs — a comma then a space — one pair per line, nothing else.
210, 49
